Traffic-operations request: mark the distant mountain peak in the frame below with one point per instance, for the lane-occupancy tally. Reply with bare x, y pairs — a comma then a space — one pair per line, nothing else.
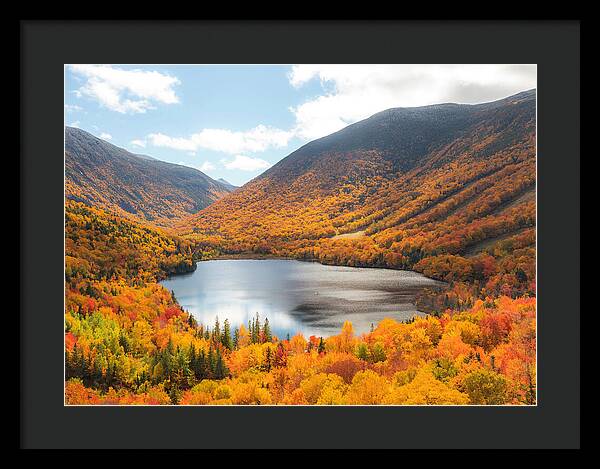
227, 183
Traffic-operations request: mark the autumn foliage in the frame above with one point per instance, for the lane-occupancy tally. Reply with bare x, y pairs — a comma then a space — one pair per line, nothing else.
485, 355
464, 213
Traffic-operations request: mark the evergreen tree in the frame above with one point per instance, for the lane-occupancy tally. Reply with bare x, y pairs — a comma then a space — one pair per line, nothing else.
174, 394
267, 336
255, 330
210, 365
221, 370
82, 366
268, 359
321, 348
226, 338
200, 366
111, 374
183, 373
192, 358
168, 359
124, 342
216, 335
108, 375
192, 321
236, 338
96, 375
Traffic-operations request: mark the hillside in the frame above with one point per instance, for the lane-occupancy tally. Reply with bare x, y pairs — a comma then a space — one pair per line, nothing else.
139, 186
447, 189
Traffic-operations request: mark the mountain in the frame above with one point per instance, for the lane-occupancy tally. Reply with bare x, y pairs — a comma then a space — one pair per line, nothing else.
227, 183
396, 140
104, 175
403, 188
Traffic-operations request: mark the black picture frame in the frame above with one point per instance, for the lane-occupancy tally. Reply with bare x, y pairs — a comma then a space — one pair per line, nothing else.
47, 45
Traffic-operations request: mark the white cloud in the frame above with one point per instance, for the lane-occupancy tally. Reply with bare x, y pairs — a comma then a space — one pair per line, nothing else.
204, 167
207, 166
138, 143
254, 140
73, 108
105, 136
126, 91
246, 163
75, 124
162, 140
355, 92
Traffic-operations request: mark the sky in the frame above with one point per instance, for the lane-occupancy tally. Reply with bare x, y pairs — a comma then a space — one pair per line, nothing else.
236, 121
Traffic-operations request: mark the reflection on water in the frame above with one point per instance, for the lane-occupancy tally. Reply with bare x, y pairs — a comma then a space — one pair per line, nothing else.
296, 296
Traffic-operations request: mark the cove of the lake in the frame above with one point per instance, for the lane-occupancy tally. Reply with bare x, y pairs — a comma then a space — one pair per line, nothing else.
296, 296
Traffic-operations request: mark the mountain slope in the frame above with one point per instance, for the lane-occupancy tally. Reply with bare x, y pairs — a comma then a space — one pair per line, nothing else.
414, 187
104, 175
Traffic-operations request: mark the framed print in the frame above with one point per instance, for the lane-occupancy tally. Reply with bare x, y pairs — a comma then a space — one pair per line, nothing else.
278, 230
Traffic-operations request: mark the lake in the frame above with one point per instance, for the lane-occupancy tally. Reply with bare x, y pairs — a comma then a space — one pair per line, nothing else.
296, 296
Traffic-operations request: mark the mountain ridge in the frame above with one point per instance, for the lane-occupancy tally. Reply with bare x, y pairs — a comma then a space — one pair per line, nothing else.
105, 175
420, 116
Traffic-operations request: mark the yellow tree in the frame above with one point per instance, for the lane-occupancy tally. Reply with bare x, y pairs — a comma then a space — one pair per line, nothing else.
425, 389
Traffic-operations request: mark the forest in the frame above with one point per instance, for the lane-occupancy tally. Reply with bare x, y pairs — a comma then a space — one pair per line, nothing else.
127, 340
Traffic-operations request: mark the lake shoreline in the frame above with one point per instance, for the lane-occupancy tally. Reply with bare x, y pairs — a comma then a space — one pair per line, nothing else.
250, 256
254, 256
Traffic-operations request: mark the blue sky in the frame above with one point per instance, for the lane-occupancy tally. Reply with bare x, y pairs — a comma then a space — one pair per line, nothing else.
235, 121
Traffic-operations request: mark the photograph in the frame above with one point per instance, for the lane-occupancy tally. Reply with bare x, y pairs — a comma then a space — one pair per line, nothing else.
300, 234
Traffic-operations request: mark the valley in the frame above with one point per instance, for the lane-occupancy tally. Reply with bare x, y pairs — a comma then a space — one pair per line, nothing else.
445, 191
